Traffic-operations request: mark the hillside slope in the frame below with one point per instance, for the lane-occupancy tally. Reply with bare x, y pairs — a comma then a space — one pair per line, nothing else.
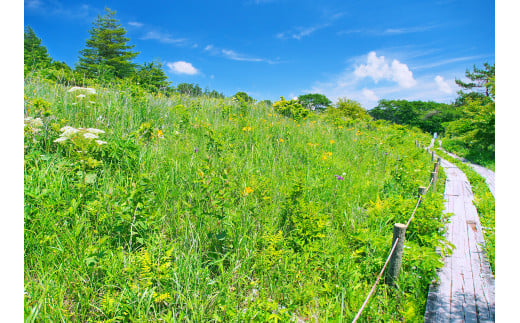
197, 209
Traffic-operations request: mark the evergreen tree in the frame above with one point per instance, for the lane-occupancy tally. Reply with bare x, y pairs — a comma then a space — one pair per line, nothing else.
35, 55
107, 53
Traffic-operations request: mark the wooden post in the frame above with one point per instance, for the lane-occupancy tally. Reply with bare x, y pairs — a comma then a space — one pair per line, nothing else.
422, 190
395, 260
435, 166
433, 156
433, 176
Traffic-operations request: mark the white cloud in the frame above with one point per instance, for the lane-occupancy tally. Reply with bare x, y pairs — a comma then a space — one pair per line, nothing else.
370, 78
369, 95
378, 68
443, 85
402, 74
182, 67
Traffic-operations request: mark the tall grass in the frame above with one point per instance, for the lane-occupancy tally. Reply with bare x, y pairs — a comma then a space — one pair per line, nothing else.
217, 210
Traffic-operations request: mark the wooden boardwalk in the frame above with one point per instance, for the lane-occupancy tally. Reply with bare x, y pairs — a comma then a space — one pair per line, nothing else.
465, 291
487, 174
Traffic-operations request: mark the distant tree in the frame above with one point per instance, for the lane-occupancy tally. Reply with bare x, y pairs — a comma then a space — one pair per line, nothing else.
244, 96
268, 103
107, 53
213, 94
35, 55
189, 89
474, 133
314, 101
429, 116
349, 109
291, 108
152, 76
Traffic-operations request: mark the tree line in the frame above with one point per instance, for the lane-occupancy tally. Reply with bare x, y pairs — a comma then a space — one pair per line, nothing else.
107, 57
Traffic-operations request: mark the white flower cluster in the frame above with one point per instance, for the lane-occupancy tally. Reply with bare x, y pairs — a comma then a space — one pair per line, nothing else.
88, 90
33, 124
68, 132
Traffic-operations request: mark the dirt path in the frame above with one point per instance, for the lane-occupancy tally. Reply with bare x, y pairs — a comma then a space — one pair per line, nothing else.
465, 291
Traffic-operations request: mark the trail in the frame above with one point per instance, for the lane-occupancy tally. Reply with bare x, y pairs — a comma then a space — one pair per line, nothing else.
486, 173
465, 291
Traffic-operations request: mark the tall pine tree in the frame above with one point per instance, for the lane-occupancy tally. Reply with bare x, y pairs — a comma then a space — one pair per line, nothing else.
35, 55
107, 53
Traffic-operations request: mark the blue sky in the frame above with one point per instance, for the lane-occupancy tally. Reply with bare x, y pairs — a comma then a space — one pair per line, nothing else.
361, 50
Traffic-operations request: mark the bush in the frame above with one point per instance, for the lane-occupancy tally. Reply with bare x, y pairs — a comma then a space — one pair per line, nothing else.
291, 109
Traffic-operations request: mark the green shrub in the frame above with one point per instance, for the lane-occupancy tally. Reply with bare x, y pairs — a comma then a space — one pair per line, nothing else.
291, 109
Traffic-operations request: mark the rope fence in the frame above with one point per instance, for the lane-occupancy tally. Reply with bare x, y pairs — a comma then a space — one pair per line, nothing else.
398, 238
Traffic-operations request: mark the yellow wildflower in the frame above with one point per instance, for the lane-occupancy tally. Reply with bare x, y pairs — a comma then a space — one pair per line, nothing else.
246, 129
160, 134
248, 190
281, 140
331, 141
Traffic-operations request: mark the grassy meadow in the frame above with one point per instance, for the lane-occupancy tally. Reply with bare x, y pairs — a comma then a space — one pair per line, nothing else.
155, 208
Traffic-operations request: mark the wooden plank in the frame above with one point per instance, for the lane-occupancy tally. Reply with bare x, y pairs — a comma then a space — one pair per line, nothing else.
465, 290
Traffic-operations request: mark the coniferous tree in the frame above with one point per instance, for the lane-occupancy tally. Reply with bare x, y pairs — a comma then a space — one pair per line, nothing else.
35, 55
107, 53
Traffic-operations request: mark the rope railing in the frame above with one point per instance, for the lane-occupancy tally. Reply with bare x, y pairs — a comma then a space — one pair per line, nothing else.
401, 228
377, 281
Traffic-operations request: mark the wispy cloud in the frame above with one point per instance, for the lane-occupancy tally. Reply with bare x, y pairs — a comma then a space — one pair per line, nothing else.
182, 67
388, 31
135, 24
32, 4
300, 32
163, 38
82, 12
449, 61
235, 56
408, 30
239, 57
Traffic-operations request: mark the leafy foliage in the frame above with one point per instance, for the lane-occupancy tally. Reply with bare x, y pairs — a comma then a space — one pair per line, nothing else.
473, 135
152, 77
428, 116
243, 96
189, 89
347, 110
291, 109
314, 101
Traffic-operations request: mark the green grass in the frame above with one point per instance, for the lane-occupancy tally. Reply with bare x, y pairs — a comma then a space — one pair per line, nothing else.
215, 210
